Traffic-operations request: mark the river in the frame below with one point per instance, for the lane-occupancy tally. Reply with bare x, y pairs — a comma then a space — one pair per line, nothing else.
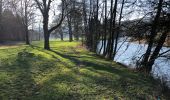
130, 53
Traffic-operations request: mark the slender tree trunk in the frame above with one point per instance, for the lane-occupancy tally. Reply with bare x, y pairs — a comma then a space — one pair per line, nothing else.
96, 36
76, 31
26, 31
61, 36
85, 21
156, 51
70, 28
100, 50
101, 33
27, 40
105, 30
113, 30
39, 33
110, 32
118, 31
89, 35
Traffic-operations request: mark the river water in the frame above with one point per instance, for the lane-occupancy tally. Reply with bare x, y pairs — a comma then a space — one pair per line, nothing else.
130, 53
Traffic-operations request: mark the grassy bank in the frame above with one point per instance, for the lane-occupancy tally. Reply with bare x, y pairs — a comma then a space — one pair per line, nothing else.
68, 72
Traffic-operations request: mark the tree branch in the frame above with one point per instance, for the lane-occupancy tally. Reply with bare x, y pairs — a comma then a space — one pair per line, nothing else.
39, 6
61, 20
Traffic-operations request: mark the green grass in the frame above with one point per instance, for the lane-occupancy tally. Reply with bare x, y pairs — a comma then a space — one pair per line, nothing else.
68, 72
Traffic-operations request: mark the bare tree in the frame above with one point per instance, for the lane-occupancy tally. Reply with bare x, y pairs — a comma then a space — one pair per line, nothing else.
25, 9
44, 7
151, 38
164, 28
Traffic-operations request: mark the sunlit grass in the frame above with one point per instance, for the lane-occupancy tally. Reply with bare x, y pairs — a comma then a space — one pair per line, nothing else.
68, 72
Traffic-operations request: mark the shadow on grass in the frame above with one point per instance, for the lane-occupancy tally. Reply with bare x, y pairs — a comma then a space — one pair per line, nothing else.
89, 77
128, 84
21, 85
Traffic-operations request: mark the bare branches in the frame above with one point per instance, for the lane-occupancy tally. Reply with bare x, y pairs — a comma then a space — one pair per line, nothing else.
39, 4
61, 20
161, 54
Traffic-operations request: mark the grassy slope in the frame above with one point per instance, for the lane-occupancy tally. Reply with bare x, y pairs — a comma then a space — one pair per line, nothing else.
68, 72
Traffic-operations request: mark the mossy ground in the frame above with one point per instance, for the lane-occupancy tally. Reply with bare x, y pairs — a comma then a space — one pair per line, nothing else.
68, 72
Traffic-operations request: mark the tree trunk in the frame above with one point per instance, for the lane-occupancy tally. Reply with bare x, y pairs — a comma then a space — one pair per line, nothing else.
26, 24
46, 33
27, 36
110, 32
70, 28
61, 36
118, 31
90, 22
95, 29
156, 51
105, 30
85, 21
113, 30
46, 40
76, 31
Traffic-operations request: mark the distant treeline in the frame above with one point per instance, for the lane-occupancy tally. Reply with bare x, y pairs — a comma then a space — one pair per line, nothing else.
11, 27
